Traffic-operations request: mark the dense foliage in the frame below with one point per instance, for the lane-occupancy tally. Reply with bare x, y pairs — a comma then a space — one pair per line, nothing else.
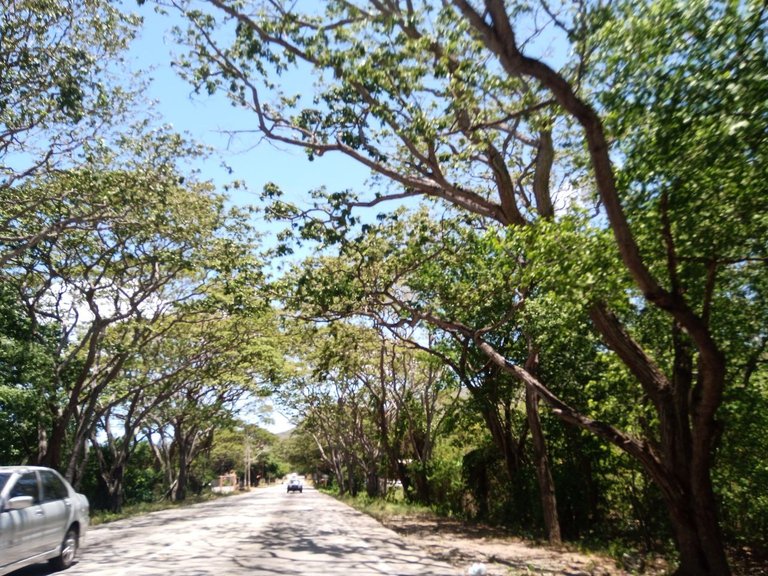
131, 321
599, 171
547, 308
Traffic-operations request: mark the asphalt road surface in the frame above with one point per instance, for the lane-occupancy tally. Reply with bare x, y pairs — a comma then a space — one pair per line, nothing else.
267, 532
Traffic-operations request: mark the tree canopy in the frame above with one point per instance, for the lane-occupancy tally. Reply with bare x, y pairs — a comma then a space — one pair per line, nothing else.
518, 113
558, 262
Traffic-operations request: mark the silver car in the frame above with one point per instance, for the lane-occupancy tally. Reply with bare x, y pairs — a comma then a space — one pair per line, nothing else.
41, 518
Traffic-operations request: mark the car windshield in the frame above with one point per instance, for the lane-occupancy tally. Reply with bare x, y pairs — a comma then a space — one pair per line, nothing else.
3, 479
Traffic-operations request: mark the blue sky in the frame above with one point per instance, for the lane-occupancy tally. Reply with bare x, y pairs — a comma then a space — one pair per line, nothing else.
205, 117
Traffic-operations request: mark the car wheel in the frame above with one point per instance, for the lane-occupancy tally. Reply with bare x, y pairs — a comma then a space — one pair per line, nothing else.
301, 489
68, 551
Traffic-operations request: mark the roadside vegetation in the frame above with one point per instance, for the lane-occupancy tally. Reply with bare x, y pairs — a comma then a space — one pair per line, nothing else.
385, 509
131, 510
546, 310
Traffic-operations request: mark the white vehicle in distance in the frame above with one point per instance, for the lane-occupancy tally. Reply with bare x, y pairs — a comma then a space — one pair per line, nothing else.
295, 485
41, 518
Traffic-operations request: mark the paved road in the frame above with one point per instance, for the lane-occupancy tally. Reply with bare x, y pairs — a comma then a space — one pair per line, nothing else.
266, 532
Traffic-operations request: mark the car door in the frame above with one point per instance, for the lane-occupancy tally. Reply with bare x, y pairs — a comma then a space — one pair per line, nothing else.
8, 550
7, 530
57, 508
24, 526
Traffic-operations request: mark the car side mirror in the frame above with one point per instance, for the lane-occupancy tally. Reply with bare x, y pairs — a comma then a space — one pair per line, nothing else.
19, 503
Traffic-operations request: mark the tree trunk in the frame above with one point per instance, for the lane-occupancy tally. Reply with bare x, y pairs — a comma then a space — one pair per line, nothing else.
179, 493
339, 470
475, 470
696, 530
688, 490
351, 483
693, 508
421, 484
687, 433
681, 468
372, 484
42, 443
543, 470
115, 488
404, 477
54, 444
501, 433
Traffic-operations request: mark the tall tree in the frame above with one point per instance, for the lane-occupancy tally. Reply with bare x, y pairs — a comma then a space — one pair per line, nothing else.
406, 269
187, 344
461, 101
156, 247
27, 360
372, 403
60, 91
215, 365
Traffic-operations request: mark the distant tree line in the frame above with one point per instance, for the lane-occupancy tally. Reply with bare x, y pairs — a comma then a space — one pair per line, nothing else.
547, 309
132, 326
567, 199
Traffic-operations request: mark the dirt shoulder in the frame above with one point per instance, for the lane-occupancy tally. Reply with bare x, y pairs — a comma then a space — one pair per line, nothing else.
463, 545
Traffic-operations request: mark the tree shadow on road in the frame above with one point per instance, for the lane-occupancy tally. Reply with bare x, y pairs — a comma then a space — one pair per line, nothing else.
345, 545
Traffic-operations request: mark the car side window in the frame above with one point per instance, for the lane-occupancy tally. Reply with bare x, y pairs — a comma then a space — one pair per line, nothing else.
53, 487
26, 486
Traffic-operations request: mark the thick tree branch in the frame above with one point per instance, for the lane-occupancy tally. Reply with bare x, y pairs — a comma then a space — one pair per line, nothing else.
499, 37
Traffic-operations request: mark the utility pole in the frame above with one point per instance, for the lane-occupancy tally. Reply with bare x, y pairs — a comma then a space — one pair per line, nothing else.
247, 478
